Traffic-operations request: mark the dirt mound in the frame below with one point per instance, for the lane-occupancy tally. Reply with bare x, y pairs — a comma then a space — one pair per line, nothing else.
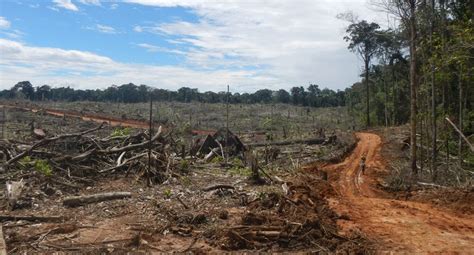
458, 200
299, 220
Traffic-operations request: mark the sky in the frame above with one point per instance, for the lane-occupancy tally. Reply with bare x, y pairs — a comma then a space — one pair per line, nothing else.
204, 44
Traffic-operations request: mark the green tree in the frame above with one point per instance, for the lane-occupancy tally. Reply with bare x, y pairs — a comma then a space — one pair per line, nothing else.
363, 40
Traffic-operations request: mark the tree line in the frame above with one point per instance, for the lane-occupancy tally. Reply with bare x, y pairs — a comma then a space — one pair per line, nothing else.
419, 72
312, 96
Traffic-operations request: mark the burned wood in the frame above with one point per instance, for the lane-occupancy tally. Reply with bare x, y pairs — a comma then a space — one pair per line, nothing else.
88, 199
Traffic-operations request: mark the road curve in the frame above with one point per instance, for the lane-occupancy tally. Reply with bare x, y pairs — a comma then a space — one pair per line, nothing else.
399, 226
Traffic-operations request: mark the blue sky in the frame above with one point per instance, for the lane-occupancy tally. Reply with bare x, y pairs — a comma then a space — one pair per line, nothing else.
167, 43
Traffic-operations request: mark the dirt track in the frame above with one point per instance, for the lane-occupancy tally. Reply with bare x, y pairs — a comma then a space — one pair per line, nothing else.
397, 225
112, 121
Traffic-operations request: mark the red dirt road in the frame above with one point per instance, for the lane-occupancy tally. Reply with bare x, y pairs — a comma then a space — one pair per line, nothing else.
400, 226
112, 121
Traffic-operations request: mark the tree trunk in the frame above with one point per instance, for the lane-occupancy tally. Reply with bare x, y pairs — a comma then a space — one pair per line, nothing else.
386, 102
434, 151
394, 98
421, 152
413, 88
460, 119
367, 60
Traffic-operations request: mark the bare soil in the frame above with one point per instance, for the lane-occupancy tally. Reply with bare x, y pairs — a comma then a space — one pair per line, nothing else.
400, 226
348, 213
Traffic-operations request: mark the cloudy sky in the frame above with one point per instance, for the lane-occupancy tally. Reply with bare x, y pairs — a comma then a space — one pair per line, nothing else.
204, 44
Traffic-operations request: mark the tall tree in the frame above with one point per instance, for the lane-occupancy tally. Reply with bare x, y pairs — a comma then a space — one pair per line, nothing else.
362, 37
434, 151
413, 83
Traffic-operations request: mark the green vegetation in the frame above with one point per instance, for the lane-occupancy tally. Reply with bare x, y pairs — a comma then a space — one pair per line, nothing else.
184, 166
240, 170
130, 93
40, 165
121, 132
422, 67
167, 193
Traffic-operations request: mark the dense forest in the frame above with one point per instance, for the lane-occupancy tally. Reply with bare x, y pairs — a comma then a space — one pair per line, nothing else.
130, 93
421, 73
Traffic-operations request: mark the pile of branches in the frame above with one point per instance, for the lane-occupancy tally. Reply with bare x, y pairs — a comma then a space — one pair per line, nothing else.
298, 220
83, 153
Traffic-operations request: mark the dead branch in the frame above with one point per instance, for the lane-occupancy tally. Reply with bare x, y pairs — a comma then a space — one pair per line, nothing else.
218, 186
49, 140
182, 203
461, 134
89, 199
132, 146
310, 141
31, 218
126, 162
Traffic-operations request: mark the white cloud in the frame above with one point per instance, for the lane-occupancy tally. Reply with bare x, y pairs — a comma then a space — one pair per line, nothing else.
105, 29
149, 47
59, 67
114, 6
296, 41
90, 2
154, 48
138, 29
247, 44
66, 4
5, 29
4, 23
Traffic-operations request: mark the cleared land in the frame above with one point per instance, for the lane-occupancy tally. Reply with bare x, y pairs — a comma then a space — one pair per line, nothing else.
306, 197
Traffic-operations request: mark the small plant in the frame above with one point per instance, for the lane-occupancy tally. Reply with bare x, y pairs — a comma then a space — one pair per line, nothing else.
26, 160
40, 165
43, 167
121, 132
217, 160
167, 193
184, 166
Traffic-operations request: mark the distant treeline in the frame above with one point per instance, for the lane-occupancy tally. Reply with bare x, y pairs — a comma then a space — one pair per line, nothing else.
130, 93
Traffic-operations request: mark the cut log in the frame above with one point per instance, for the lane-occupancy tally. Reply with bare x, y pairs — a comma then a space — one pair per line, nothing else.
3, 245
89, 199
14, 190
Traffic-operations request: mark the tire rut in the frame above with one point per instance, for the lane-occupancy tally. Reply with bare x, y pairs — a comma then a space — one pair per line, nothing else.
402, 226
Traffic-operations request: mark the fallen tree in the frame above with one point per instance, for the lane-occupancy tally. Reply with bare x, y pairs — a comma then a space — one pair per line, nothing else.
95, 198
309, 141
91, 154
